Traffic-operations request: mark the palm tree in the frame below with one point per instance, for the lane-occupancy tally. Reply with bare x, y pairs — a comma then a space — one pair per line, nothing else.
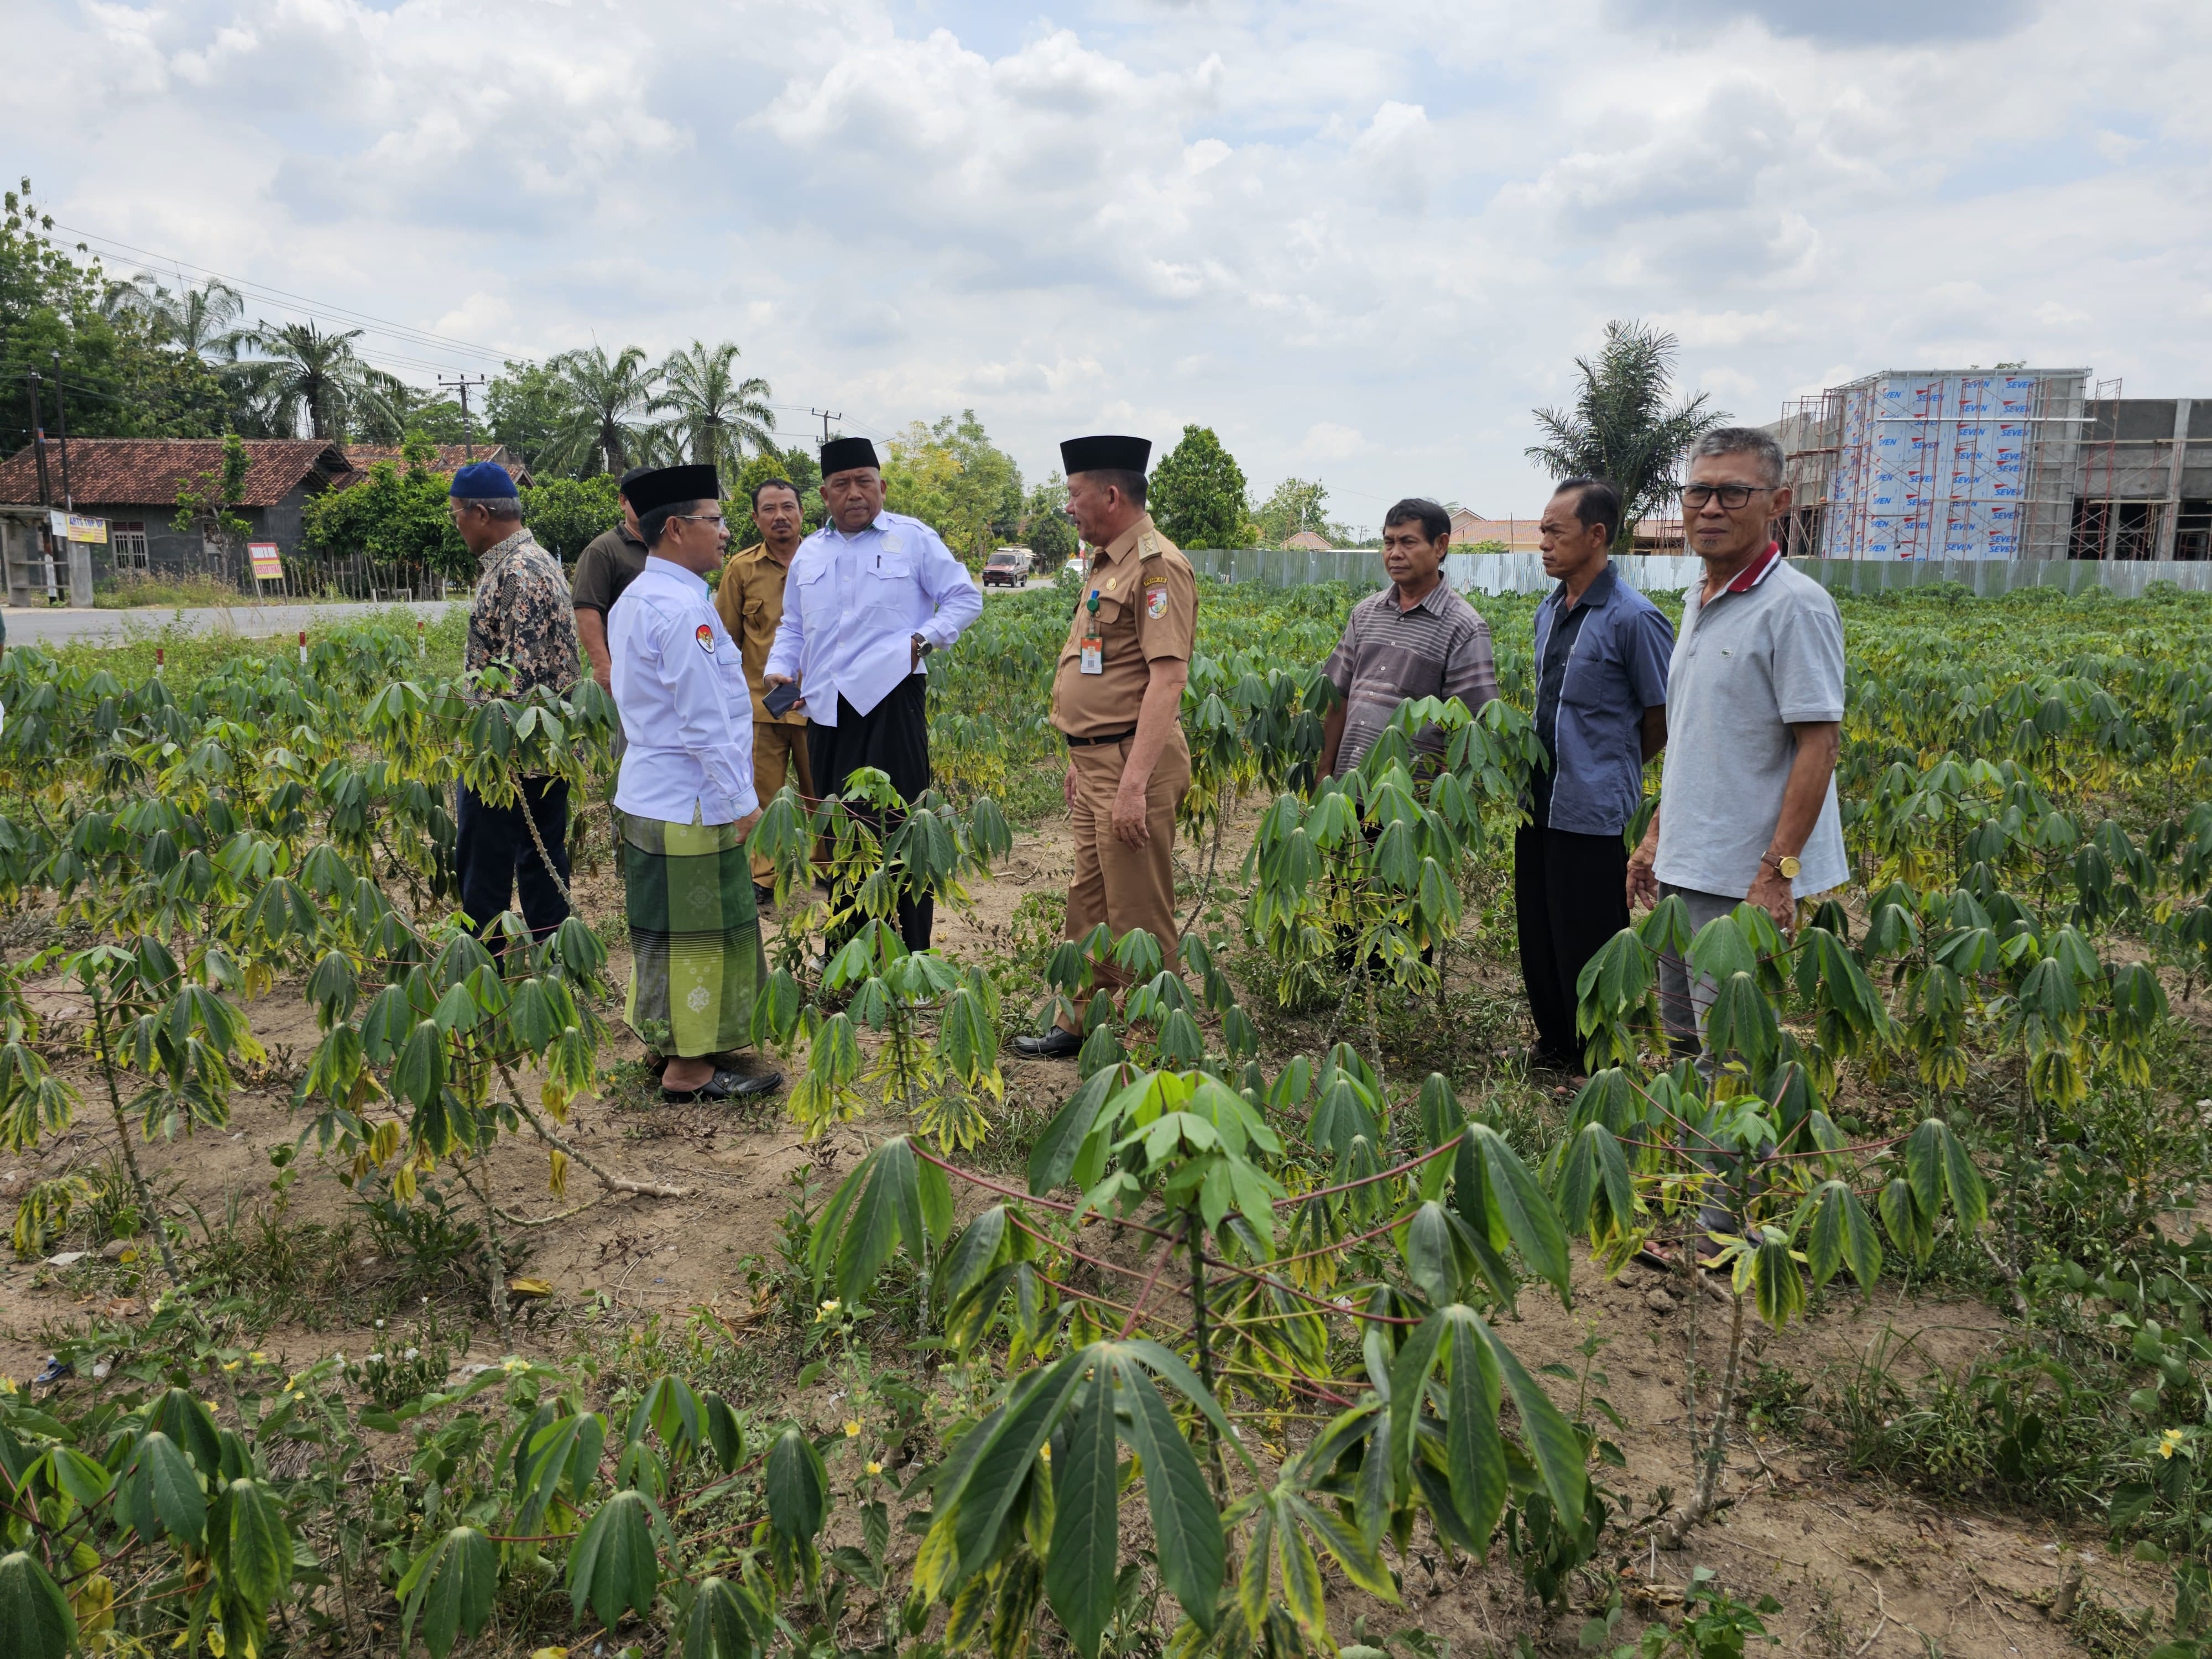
202, 320
600, 430
717, 412
1620, 429
308, 377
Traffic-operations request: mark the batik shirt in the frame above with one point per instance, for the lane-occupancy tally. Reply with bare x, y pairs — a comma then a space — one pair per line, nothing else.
522, 619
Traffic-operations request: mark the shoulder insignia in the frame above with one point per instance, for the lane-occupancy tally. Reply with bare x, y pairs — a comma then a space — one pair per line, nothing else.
1149, 546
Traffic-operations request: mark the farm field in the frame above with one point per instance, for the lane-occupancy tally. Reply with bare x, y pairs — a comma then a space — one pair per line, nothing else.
380, 1303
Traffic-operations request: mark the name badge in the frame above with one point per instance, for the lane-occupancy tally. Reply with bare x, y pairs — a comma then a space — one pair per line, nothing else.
1094, 656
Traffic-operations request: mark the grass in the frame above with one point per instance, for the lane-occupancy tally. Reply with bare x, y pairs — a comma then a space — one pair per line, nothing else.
197, 588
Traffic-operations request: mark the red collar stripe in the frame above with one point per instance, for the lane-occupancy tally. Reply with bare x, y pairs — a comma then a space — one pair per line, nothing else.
1750, 575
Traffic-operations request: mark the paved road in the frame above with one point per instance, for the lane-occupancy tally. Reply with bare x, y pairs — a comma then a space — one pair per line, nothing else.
56, 625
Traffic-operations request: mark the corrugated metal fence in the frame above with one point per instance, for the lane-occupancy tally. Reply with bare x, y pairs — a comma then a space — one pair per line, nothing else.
1523, 573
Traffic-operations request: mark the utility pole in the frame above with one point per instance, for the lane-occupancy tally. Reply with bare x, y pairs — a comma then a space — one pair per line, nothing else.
827, 415
61, 415
45, 493
461, 383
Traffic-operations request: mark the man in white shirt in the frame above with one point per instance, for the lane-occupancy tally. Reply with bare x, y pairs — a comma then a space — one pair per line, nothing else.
684, 799
870, 595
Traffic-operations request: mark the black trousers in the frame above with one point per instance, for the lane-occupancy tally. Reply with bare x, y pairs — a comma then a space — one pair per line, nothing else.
494, 855
893, 737
1571, 894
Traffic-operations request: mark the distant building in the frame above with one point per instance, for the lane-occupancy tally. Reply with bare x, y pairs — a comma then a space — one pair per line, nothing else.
448, 459
1307, 541
1469, 528
2003, 464
132, 483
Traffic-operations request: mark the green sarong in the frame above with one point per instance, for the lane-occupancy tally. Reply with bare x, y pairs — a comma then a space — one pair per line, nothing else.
695, 957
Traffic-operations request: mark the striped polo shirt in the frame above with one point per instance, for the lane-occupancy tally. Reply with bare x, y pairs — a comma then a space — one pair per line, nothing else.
1439, 649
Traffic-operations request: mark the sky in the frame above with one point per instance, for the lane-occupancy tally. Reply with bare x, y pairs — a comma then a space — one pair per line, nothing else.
1362, 242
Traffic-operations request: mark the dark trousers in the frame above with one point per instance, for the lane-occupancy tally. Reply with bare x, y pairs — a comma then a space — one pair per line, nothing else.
494, 855
893, 737
1571, 894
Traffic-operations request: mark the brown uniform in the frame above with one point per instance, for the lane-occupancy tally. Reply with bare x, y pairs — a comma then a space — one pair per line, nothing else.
1147, 611
749, 600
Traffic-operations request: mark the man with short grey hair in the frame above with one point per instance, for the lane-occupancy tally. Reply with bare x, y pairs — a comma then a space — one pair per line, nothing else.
1754, 719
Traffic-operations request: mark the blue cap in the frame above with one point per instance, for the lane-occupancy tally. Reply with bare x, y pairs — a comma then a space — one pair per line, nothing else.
481, 481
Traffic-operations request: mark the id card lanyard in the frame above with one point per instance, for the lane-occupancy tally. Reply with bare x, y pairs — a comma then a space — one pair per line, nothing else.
1094, 648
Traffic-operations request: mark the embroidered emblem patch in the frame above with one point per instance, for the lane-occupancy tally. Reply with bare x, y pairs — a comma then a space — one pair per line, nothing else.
705, 636
1155, 600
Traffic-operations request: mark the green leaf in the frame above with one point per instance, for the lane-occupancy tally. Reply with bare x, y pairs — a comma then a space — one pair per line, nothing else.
450, 1588
718, 1627
1003, 1462
84, 1480
613, 1567
1530, 1220
252, 1544
1079, 1572
1187, 1532
798, 1486
1779, 1287
1923, 1166
162, 1492
1842, 1235
1969, 1197
890, 1207
420, 1072
1544, 1430
723, 1432
34, 1611
1474, 1452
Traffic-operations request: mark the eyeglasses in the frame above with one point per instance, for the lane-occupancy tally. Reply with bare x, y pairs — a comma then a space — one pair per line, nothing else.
1732, 495
701, 518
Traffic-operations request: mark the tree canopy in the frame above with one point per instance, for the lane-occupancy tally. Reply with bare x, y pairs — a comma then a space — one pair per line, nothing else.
1197, 492
1296, 504
951, 476
1622, 428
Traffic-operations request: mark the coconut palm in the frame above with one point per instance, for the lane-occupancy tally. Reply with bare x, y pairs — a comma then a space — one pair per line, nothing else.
1621, 429
600, 431
306, 377
202, 320
717, 414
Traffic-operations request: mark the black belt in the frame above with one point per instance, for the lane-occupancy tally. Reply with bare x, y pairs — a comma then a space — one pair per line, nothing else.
1092, 743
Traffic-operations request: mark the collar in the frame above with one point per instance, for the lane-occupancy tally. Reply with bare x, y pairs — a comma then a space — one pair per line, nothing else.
506, 545
874, 525
1431, 601
1757, 571
1125, 543
759, 554
1595, 595
627, 535
668, 568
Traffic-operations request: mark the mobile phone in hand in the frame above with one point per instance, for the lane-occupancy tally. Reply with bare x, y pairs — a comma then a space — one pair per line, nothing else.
780, 697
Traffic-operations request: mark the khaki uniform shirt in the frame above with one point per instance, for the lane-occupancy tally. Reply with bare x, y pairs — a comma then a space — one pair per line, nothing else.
749, 600
1147, 608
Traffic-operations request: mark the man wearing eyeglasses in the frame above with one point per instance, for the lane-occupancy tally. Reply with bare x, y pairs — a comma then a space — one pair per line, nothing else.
521, 628
685, 800
1754, 719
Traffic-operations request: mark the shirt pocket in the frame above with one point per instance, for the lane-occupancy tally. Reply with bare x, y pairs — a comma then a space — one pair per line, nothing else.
817, 598
887, 585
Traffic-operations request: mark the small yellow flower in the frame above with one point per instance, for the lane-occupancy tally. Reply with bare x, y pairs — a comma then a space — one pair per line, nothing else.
1045, 1452
513, 1365
874, 1468
258, 1357
232, 1364
2169, 1443
852, 1429
826, 1310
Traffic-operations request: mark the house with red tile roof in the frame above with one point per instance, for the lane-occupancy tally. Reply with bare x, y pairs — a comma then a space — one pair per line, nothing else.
132, 483
446, 460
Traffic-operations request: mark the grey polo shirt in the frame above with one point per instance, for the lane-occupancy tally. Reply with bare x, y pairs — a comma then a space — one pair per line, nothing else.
1768, 651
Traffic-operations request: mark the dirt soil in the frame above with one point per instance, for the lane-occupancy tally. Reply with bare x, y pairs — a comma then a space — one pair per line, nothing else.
1864, 1571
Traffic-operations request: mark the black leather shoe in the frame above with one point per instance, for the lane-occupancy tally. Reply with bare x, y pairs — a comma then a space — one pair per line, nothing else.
726, 1085
764, 895
1055, 1044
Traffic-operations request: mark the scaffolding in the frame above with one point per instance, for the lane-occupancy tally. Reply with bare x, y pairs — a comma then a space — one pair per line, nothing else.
1936, 464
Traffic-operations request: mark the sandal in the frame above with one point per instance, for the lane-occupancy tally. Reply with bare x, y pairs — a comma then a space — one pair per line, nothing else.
725, 1084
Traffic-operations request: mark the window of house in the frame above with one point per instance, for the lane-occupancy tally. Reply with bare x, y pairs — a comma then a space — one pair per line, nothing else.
126, 541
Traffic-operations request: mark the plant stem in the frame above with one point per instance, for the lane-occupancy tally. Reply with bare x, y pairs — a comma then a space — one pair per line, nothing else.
613, 1183
1194, 1239
1716, 1458
495, 1261
145, 1193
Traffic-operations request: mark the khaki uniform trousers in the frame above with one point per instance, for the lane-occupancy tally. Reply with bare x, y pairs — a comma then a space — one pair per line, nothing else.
779, 753
1114, 883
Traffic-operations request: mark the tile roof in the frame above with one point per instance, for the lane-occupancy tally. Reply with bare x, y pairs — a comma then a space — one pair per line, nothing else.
146, 472
448, 458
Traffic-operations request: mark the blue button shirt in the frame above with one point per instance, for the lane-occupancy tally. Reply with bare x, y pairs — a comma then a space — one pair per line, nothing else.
1616, 668
852, 606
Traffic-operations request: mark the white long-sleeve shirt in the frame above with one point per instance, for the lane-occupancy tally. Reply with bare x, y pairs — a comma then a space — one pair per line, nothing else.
679, 684
852, 606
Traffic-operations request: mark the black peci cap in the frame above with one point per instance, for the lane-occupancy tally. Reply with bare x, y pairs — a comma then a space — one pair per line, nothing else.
667, 486
843, 454
1105, 455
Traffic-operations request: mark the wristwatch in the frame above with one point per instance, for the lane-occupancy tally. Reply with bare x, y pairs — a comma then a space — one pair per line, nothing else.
1786, 867
922, 647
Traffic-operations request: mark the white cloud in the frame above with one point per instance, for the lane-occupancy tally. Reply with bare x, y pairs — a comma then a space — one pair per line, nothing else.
1362, 241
